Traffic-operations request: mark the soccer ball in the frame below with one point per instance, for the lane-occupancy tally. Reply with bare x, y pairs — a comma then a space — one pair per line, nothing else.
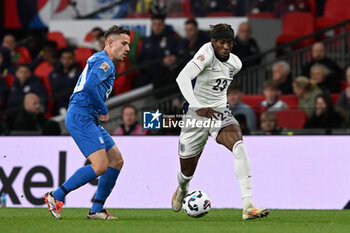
196, 204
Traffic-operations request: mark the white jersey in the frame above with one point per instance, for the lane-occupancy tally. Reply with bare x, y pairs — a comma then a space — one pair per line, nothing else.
214, 77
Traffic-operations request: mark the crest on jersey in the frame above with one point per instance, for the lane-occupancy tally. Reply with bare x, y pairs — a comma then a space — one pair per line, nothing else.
104, 66
231, 72
201, 57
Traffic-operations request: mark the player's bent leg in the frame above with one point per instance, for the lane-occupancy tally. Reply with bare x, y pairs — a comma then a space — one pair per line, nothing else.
231, 138
106, 184
188, 167
83, 175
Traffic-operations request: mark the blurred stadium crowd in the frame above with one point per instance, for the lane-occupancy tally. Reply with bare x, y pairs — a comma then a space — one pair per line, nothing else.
39, 71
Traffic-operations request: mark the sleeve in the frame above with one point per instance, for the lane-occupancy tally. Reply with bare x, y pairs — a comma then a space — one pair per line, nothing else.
184, 80
238, 64
100, 71
203, 58
91, 87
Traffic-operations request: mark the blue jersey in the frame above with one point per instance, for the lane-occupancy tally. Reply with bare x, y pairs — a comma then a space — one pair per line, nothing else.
94, 85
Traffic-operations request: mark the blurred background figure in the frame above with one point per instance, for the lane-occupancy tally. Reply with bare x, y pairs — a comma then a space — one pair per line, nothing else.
344, 99
30, 118
194, 39
18, 54
24, 83
324, 78
63, 80
237, 107
281, 75
246, 45
307, 92
271, 102
130, 125
325, 115
268, 123
162, 45
318, 55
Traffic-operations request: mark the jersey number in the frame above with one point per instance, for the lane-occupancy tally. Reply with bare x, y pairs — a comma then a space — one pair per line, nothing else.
219, 82
82, 80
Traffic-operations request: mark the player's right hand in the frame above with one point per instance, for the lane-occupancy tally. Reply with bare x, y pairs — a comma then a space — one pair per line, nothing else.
207, 112
104, 117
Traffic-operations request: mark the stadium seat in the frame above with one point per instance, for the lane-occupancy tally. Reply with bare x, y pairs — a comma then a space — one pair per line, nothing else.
253, 100
335, 11
58, 38
335, 98
296, 25
81, 56
291, 118
43, 71
291, 100
88, 37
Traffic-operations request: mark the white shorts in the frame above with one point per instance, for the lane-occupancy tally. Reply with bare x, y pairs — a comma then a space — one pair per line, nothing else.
193, 140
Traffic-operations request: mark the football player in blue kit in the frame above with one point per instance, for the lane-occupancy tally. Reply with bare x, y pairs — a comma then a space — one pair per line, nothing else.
86, 110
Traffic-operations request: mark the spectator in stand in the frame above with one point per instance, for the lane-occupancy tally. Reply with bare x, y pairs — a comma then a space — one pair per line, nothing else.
237, 107
320, 7
18, 54
34, 43
344, 99
194, 39
101, 41
281, 75
246, 46
268, 124
30, 118
324, 78
48, 54
130, 125
271, 102
325, 115
307, 92
94, 41
318, 54
24, 83
44, 64
6, 66
161, 46
63, 79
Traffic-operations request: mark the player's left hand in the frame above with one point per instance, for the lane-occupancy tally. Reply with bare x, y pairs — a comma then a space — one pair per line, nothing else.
104, 117
207, 112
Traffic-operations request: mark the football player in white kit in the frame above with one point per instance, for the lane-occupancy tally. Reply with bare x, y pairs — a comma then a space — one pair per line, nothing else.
213, 67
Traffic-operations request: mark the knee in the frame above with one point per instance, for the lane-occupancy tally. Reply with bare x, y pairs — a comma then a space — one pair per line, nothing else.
117, 162
100, 168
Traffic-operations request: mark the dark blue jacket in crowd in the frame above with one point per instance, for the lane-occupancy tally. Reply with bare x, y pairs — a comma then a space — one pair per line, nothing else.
17, 92
188, 50
156, 47
62, 84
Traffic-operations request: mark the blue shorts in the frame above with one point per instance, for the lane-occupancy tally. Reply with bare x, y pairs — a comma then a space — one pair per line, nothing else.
87, 133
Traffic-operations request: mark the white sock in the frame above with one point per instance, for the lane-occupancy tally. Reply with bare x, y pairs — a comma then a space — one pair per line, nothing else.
243, 174
183, 181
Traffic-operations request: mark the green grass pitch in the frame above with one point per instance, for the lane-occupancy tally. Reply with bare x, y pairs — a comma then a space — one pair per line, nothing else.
164, 220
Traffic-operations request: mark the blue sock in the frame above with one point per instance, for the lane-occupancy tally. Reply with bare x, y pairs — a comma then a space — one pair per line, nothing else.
104, 188
79, 178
